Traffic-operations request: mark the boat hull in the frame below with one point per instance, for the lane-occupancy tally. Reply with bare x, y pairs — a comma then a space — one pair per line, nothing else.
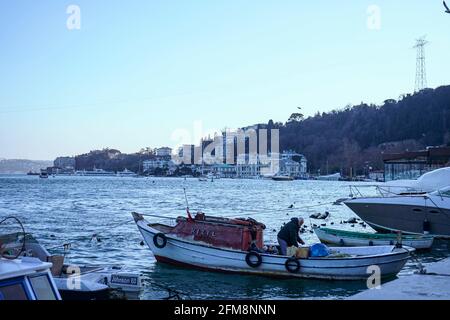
395, 214
351, 239
282, 178
185, 253
70, 295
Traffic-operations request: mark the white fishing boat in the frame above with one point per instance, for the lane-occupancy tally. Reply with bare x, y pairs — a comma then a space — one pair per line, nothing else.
26, 279
355, 239
80, 282
220, 244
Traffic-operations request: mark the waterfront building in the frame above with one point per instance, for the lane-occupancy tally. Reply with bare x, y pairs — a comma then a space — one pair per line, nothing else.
163, 152
251, 166
186, 154
293, 164
413, 164
156, 163
224, 170
377, 175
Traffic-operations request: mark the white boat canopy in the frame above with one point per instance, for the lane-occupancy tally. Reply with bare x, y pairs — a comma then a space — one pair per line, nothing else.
428, 182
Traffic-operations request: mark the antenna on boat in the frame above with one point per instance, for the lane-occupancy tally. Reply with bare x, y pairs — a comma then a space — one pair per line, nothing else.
185, 197
187, 205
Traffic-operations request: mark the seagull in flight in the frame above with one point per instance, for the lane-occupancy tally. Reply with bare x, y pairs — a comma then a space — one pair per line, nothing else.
446, 7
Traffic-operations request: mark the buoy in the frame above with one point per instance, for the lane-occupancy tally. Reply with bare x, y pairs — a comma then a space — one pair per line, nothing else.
141, 243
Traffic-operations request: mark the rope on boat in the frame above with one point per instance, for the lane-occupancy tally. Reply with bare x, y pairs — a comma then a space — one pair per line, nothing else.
158, 216
244, 211
440, 209
279, 210
172, 293
414, 258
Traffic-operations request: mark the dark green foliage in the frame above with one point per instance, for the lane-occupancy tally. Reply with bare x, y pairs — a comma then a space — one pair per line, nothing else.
111, 160
354, 137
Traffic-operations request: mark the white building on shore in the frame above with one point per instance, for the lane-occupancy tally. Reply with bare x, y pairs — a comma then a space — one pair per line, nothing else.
293, 164
163, 152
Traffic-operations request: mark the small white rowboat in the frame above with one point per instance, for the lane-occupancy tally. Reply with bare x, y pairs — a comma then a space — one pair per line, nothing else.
343, 264
354, 239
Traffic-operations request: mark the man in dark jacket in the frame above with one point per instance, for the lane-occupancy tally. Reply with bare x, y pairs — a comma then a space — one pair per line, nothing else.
288, 235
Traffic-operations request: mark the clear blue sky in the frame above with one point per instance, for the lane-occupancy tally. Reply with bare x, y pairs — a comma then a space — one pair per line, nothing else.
137, 71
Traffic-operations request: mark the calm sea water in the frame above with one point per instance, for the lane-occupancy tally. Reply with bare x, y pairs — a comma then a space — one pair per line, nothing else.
71, 209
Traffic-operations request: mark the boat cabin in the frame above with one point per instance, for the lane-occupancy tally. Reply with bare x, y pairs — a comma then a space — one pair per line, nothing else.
26, 279
236, 233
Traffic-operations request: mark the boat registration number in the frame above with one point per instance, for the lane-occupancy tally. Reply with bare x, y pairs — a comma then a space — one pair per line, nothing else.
124, 280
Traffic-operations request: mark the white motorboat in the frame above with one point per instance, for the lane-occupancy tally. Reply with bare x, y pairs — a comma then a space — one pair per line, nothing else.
219, 244
427, 213
85, 282
95, 173
126, 173
26, 279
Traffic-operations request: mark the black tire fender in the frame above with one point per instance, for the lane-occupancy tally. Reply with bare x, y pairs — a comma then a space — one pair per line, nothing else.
292, 265
250, 255
157, 238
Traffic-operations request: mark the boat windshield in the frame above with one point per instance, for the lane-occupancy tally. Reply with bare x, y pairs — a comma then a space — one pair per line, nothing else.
444, 192
42, 287
13, 289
